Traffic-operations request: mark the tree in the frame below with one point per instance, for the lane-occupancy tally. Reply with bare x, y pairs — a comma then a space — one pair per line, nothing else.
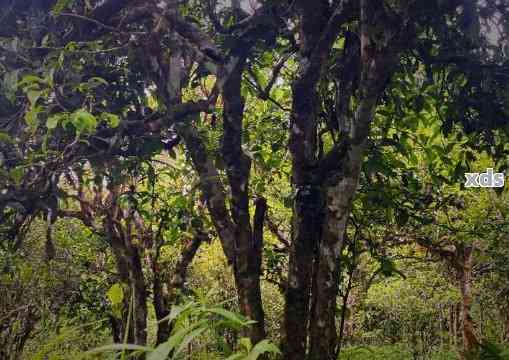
115, 79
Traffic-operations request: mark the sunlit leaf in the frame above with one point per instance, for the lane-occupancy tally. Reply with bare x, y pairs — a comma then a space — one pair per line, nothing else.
115, 294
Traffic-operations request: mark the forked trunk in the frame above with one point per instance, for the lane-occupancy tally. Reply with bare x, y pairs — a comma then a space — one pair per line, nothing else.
326, 184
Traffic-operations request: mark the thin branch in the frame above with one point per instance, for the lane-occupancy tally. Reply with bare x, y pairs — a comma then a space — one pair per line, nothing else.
85, 18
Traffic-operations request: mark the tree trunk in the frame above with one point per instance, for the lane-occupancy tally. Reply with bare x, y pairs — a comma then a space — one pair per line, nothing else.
306, 231
307, 218
326, 186
505, 324
451, 326
160, 308
341, 172
248, 280
118, 326
116, 329
344, 309
238, 167
470, 342
130, 271
339, 199
140, 299
234, 226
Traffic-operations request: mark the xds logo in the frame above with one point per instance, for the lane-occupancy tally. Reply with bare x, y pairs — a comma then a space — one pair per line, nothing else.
487, 179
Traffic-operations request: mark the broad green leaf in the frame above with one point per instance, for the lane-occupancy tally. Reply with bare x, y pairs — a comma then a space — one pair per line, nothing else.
115, 294
30, 79
263, 347
54, 120
83, 121
190, 337
177, 310
33, 96
60, 6
97, 81
246, 343
71, 46
31, 117
177, 339
160, 353
230, 316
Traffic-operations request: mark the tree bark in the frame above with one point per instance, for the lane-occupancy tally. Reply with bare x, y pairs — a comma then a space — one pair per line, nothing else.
344, 308
140, 298
238, 167
130, 269
233, 225
505, 324
326, 186
470, 342
160, 308
308, 203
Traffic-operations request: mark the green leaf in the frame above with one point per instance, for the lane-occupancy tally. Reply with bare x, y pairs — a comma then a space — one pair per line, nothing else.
111, 119
16, 174
230, 316
60, 6
115, 294
31, 117
95, 81
52, 121
83, 121
178, 338
160, 353
246, 343
5, 138
263, 347
33, 96
30, 80
190, 337
176, 311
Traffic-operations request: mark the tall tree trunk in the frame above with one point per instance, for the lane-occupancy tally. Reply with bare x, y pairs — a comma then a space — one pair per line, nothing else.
139, 310
130, 270
233, 227
323, 327
236, 237
307, 216
341, 172
452, 342
470, 342
344, 309
119, 326
505, 324
238, 167
116, 329
160, 308
306, 226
